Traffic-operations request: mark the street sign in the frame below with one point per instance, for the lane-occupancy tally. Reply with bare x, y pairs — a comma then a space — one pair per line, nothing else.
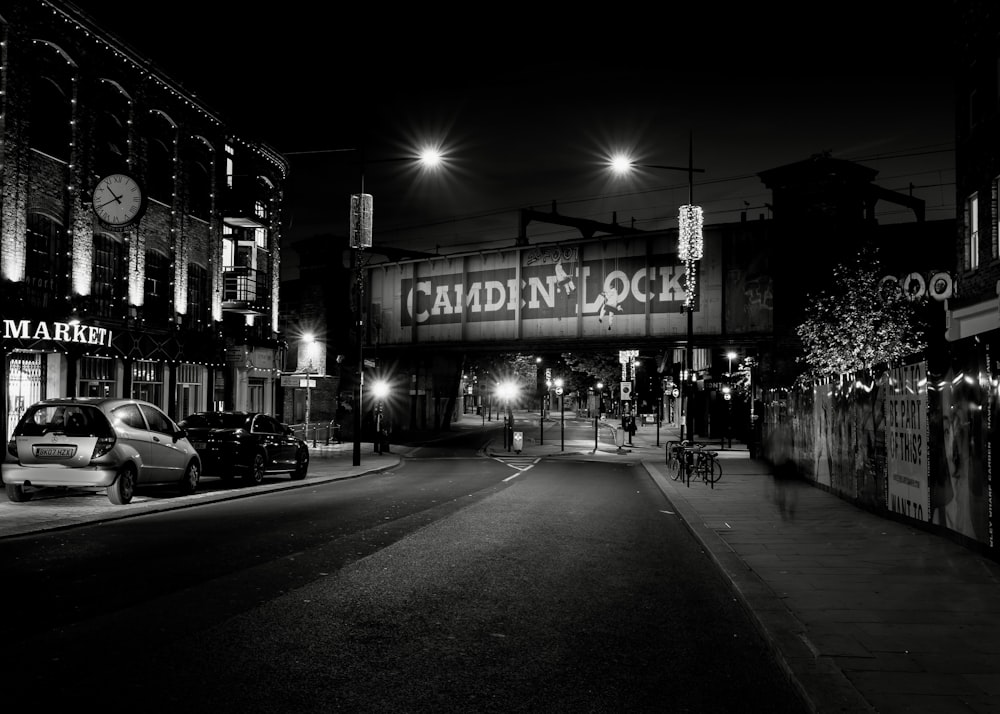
626, 391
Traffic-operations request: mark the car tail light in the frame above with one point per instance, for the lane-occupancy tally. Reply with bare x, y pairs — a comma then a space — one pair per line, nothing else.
12, 448
104, 445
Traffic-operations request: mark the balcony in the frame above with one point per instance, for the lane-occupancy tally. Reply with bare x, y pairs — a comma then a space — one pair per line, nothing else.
239, 205
245, 290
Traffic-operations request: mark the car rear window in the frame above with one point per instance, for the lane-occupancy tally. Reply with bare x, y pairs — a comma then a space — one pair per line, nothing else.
69, 419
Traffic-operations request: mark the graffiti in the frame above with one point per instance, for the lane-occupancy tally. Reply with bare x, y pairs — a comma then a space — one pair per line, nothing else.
543, 293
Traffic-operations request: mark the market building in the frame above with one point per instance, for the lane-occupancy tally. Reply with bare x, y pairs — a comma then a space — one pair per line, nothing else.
139, 235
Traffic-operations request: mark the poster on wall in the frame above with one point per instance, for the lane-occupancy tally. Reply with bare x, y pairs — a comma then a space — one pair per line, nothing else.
906, 441
959, 400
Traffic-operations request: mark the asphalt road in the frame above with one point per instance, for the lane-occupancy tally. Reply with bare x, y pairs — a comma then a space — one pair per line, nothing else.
452, 583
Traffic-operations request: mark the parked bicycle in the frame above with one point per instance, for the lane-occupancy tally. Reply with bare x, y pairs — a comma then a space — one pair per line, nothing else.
688, 461
706, 467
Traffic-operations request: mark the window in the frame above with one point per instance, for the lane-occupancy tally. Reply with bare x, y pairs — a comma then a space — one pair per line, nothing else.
108, 280
147, 381
44, 266
111, 129
197, 292
97, 377
157, 420
157, 303
972, 232
51, 109
128, 416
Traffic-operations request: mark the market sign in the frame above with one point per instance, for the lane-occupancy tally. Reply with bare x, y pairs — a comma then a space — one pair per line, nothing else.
56, 332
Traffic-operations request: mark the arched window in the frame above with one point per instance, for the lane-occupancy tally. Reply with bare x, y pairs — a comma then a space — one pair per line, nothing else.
109, 282
160, 179
51, 106
198, 177
111, 146
45, 261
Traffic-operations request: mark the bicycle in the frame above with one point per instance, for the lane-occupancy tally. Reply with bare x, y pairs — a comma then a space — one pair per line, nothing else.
676, 459
707, 467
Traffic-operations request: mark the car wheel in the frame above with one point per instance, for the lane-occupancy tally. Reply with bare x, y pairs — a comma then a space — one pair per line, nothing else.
301, 466
120, 492
16, 493
255, 474
189, 484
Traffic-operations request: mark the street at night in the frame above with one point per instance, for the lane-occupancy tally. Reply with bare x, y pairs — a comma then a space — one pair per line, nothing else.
439, 585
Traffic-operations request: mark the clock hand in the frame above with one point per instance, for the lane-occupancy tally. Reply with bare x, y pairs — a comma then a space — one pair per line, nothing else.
116, 199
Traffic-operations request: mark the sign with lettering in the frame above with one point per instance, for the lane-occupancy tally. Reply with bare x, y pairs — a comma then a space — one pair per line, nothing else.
906, 441
56, 332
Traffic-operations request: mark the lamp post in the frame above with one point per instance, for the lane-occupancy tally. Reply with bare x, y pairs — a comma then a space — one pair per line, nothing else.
541, 404
689, 250
562, 414
380, 390
360, 232
597, 416
506, 391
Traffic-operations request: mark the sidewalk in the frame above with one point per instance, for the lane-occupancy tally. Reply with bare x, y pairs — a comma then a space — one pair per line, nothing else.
864, 613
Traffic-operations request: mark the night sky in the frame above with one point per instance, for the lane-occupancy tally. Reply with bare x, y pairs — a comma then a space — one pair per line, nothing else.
529, 103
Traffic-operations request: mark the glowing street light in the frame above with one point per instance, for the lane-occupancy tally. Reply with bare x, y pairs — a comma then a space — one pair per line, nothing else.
309, 339
380, 390
562, 413
360, 230
690, 244
507, 391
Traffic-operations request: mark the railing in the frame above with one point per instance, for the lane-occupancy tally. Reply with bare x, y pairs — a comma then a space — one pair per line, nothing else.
325, 432
244, 285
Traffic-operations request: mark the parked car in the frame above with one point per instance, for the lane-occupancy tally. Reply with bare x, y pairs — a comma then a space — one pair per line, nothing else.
248, 444
98, 442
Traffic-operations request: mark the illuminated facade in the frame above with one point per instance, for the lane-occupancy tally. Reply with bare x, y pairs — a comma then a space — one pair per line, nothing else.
179, 307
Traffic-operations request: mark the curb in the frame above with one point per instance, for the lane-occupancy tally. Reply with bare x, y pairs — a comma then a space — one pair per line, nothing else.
824, 688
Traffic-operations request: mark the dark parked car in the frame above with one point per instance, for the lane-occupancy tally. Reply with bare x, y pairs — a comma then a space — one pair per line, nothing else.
248, 444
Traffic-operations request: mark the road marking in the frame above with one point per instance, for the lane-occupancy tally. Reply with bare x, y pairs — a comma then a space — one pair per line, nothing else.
516, 463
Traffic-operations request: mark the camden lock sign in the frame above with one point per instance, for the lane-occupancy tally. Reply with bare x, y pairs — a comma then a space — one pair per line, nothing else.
56, 332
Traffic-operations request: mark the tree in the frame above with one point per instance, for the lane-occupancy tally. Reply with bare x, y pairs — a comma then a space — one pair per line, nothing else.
593, 367
858, 323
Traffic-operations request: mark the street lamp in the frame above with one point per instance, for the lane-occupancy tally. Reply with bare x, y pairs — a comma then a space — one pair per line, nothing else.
690, 244
597, 388
380, 390
360, 232
562, 414
506, 391
309, 354
541, 401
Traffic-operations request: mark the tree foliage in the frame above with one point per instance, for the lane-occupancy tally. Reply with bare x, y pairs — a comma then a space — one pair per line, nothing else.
593, 367
857, 324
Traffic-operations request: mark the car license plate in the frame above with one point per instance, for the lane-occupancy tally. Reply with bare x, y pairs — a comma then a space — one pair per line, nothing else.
54, 452
198, 444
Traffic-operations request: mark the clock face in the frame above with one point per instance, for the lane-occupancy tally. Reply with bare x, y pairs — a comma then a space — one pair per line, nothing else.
118, 200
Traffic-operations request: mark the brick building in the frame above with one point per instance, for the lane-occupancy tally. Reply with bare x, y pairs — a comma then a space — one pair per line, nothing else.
178, 306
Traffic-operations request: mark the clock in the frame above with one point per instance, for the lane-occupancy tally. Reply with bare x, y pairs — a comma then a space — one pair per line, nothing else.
118, 200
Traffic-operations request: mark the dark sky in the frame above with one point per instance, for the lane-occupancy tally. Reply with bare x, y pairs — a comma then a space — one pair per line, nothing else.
527, 102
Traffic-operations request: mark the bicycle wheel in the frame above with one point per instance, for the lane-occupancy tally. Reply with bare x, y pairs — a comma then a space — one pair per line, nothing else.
676, 467
713, 471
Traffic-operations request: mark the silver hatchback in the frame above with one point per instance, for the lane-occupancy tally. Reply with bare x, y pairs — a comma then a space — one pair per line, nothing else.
110, 443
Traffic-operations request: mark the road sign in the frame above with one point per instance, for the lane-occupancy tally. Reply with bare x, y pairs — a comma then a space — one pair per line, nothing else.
626, 391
